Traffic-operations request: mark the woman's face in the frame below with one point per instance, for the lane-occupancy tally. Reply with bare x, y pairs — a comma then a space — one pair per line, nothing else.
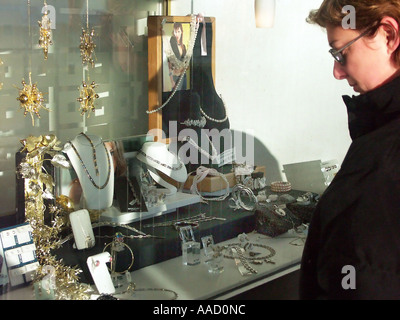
178, 33
368, 61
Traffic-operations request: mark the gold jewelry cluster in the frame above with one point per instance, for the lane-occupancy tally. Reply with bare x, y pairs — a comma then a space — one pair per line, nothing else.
87, 46
39, 186
31, 99
45, 35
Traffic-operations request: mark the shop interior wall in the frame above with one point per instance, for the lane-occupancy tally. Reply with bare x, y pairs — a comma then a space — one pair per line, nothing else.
277, 83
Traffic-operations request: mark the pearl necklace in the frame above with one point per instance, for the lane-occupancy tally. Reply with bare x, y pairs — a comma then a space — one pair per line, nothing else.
213, 119
178, 64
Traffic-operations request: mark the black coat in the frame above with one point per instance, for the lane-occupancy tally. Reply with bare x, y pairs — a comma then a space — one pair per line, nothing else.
357, 220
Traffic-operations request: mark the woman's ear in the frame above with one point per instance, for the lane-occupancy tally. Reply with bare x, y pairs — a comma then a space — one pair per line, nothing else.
391, 27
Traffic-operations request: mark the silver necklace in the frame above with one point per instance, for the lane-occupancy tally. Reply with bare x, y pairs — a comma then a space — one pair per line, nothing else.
160, 163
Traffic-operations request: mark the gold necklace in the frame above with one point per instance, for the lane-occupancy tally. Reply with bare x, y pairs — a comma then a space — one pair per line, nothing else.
86, 170
94, 153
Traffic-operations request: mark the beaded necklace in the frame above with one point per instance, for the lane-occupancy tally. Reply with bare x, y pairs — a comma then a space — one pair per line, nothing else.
180, 64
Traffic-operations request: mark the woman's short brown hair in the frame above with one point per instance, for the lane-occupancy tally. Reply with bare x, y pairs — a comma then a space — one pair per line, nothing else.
369, 14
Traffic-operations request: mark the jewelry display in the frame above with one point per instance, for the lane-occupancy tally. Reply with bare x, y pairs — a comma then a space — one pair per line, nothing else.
116, 246
190, 247
241, 262
159, 159
246, 175
100, 275
87, 171
45, 34
201, 173
255, 181
195, 123
82, 229
237, 201
252, 257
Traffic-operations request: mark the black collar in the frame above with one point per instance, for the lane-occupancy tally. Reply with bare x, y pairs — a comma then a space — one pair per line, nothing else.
372, 110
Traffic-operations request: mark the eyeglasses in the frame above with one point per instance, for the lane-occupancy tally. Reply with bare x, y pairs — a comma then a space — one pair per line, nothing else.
337, 54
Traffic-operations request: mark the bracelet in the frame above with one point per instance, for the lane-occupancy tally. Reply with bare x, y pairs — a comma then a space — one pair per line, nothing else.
272, 252
182, 224
117, 246
281, 186
237, 199
241, 262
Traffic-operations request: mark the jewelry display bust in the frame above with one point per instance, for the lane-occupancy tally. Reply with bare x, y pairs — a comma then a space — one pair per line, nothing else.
93, 165
156, 156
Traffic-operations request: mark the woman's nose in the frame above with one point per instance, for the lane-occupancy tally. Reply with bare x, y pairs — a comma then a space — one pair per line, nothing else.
338, 71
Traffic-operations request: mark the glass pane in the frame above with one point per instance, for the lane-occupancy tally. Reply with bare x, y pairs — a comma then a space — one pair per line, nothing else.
119, 72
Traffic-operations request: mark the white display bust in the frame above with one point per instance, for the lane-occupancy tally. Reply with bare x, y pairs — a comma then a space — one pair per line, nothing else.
157, 157
84, 153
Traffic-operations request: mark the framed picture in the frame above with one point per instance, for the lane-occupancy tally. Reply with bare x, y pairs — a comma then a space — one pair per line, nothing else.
172, 47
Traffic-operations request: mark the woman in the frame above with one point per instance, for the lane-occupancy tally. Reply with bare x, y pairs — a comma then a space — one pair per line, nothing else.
179, 49
353, 246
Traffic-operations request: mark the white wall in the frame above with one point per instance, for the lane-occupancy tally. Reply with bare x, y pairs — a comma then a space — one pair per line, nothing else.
277, 82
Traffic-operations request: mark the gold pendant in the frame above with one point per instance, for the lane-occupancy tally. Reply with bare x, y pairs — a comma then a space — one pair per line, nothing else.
31, 99
45, 35
87, 47
87, 98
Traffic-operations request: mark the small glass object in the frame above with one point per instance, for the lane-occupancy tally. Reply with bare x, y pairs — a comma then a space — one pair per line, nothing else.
214, 262
190, 247
191, 253
214, 258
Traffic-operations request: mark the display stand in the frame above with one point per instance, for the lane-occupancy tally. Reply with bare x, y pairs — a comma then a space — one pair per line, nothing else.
92, 163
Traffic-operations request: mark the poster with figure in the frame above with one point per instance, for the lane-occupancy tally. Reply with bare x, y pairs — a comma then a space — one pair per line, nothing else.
176, 67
